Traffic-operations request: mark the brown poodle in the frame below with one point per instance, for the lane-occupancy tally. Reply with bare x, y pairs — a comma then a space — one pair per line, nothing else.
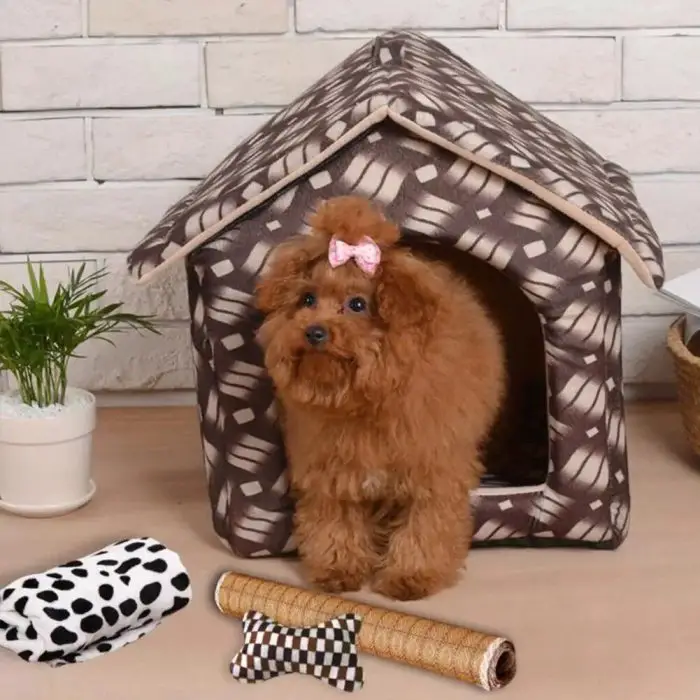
390, 375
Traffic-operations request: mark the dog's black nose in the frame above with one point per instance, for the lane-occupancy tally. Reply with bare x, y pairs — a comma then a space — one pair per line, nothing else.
316, 335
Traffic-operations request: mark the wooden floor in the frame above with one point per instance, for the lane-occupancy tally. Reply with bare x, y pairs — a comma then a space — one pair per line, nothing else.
587, 624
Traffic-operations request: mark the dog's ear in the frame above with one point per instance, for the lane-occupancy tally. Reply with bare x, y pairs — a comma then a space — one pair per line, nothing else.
407, 292
283, 276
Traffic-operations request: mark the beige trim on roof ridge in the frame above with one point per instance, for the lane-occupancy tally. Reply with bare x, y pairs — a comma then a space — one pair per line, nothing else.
591, 223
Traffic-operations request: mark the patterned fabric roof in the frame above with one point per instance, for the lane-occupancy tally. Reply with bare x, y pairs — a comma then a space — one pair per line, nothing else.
423, 86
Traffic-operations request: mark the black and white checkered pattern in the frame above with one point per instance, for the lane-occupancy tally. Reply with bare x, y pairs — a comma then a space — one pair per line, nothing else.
328, 651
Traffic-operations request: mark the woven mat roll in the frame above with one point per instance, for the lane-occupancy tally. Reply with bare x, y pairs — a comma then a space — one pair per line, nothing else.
457, 652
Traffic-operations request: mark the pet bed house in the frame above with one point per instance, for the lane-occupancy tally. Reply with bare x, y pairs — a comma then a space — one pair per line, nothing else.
536, 218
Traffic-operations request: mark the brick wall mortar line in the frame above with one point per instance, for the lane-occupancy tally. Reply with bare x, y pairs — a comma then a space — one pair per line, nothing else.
447, 32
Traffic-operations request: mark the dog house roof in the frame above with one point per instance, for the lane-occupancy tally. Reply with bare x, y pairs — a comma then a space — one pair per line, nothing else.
421, 85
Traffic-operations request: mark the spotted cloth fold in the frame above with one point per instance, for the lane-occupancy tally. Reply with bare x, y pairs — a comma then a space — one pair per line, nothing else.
327, 651
89, 607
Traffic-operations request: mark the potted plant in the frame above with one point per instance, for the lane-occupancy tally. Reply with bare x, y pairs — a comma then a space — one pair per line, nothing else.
46, 425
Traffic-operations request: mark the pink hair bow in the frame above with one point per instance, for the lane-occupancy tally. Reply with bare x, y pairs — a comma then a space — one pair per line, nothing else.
366, 254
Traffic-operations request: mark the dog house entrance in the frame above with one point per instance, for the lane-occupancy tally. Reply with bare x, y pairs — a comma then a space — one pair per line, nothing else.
517, 452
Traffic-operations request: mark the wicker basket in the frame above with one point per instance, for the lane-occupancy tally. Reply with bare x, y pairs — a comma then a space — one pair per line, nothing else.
687, 369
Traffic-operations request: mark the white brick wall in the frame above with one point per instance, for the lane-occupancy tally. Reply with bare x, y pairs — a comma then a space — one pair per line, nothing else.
40, 19
157, 147
645, 77
646, 139
82, 216
373, 15
542, 69
99, 76
110, 110
602, 14
244, 73
35, 150
182, 17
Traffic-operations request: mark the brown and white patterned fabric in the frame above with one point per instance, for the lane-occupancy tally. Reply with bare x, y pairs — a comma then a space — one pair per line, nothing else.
420, 83
556, 253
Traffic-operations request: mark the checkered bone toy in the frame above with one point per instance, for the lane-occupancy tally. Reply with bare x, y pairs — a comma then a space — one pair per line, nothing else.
327, 651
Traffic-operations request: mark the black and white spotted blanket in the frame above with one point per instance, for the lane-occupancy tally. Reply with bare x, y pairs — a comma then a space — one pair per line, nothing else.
91, 606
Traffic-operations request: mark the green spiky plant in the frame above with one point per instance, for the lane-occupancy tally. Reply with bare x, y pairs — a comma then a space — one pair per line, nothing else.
40, 333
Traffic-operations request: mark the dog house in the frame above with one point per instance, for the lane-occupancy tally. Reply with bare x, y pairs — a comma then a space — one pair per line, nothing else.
536, 218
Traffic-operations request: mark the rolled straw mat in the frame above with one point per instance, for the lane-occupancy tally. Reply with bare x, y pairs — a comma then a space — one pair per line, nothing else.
457, 652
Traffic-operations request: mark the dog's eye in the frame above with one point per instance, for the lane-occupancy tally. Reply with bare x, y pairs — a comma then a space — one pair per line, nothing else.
357, 305
308, 299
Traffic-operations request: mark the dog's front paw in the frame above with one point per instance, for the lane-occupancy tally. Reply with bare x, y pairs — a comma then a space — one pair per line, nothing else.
407, 586
337, 581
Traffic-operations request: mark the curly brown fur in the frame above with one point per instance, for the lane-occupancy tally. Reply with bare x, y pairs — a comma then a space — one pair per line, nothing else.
384, 422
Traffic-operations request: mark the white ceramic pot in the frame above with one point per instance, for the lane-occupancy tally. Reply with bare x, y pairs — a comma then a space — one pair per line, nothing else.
46, 455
